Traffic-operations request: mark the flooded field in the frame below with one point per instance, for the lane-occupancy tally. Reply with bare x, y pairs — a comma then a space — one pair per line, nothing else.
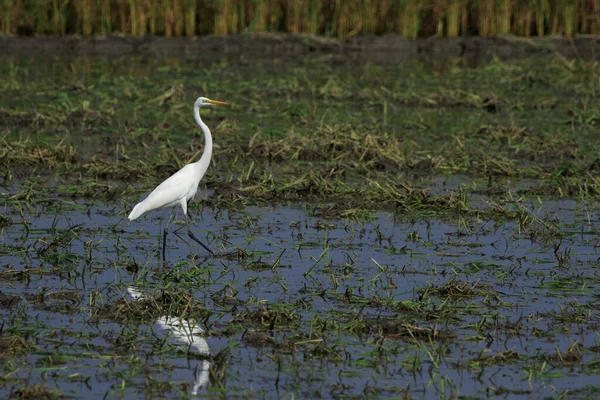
406, 231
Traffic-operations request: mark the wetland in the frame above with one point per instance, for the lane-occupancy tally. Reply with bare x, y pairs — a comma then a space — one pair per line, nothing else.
382, 230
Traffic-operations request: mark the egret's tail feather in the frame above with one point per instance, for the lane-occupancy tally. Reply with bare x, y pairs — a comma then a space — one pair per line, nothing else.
138, 210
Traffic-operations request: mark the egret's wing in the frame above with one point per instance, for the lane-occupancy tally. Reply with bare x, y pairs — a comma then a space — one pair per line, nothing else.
173, 188
168, 193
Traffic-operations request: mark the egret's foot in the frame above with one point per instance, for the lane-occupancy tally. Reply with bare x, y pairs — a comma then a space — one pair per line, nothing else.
164, 246
195, 239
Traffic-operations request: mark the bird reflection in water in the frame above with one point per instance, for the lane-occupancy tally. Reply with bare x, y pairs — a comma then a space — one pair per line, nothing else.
186, 336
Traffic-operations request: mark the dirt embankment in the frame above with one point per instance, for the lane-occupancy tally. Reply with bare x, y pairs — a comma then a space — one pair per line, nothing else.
389, 48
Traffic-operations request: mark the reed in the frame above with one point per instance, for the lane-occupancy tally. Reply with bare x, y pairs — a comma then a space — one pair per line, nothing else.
339, 18
409, 18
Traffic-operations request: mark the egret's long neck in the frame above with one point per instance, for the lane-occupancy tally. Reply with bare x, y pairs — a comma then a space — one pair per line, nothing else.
208, 144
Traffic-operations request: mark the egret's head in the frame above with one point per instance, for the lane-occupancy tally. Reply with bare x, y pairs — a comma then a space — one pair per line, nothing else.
204, 102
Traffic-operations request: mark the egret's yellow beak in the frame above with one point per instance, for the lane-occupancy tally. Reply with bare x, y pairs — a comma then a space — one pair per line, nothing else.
216, 102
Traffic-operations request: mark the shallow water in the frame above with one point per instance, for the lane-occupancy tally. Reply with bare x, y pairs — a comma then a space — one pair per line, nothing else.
320, 270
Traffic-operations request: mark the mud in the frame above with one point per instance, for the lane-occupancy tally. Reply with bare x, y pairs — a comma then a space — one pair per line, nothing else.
388, 48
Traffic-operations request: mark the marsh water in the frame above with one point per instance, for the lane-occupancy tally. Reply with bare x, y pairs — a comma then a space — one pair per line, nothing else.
429, 270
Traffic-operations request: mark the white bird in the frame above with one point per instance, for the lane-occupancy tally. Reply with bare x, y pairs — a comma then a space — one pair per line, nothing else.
182, 186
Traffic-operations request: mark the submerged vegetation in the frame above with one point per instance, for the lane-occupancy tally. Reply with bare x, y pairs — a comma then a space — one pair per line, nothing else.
342, 19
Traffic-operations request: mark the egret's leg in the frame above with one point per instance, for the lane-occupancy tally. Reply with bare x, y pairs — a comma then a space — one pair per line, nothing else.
189, 214
190, 233
165, 233
195, 239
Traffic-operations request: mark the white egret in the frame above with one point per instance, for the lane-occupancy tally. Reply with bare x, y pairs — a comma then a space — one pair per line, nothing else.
182, 186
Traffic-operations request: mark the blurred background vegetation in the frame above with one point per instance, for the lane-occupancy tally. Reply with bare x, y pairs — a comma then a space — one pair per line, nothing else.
337, 18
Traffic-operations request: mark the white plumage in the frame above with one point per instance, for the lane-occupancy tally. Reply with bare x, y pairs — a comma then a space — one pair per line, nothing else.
178, 189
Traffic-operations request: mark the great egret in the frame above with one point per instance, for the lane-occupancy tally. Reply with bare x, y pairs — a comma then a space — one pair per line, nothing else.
182, 186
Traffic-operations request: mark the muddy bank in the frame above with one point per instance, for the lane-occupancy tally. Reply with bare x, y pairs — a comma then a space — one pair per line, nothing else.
389, 48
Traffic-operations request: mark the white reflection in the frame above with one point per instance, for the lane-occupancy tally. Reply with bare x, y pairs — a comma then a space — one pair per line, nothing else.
184, 334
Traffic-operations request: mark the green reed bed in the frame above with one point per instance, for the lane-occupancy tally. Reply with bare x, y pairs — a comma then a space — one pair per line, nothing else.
341, 18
